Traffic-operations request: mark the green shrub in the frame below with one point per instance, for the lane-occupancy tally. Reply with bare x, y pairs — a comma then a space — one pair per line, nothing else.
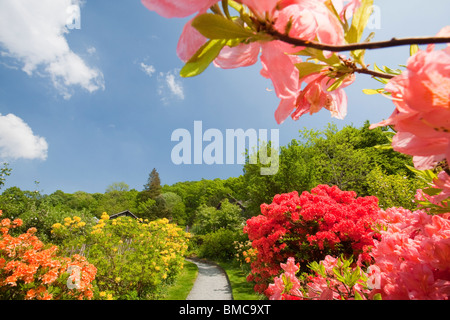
219, 245
134, 259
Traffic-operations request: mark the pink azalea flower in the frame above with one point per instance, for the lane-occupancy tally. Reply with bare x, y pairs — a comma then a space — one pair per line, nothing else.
177, 9
243, 55
413, 255
315, 96
422, 98
374, 280
190, 41
276, 289
290, 267
442, 182
260, 6
346, 8
308, 19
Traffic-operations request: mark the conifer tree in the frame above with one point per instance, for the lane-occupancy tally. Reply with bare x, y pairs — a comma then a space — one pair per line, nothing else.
153, 187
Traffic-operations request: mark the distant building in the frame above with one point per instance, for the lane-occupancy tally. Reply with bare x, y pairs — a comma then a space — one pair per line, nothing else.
125, 213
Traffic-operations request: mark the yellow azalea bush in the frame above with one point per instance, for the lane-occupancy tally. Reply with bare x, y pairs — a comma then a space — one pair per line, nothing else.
134, 258
29, 269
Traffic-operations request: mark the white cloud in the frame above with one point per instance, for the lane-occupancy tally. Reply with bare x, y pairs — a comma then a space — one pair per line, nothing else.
18, 141
148, 69
170, 86
174, 85
33, 32
91, 50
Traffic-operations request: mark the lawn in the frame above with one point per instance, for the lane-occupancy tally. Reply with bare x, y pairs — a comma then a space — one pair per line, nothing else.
242, 290
183, 284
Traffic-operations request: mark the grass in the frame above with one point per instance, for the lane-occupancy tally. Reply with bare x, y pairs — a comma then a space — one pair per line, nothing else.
183, 284
242, 290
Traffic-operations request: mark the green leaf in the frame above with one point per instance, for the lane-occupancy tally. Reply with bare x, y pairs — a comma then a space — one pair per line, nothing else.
359, 21
338, 275
386, 146
307, 68
426, 175
377, 296
392, 71
202, 58
413, 49
337, 83
214, 26
358, 296
318, 54
431, 191
372, 91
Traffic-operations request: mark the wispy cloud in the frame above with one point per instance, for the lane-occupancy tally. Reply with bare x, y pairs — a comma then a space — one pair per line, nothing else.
148, 69
33, 33
169, 83
17, 140
170, 86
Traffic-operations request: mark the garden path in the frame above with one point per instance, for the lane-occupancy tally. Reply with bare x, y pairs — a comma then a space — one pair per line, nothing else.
211, 283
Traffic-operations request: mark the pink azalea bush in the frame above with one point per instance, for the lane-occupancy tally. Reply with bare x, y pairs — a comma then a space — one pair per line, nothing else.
413, 255
411, 261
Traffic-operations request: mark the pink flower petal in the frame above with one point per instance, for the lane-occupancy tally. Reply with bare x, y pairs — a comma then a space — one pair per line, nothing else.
280, 68
177, 9
243, 55
190, 41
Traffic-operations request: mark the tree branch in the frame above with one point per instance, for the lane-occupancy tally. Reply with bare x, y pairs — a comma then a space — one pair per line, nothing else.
394, 42
374, 73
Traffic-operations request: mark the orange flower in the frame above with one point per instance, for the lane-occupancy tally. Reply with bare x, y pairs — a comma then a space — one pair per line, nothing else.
18, 222
30, 294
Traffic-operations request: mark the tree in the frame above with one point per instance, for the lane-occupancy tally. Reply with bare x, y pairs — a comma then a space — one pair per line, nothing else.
210, 219
4, 172
117, 186
153, 187
344, 158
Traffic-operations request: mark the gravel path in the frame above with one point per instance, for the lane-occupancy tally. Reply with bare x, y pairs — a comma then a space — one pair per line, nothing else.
211, 283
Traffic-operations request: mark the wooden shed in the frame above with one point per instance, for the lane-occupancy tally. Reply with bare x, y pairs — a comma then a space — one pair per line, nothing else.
125, 213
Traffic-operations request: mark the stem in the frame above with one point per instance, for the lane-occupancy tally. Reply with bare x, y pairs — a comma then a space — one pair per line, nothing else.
394, 42
374, 73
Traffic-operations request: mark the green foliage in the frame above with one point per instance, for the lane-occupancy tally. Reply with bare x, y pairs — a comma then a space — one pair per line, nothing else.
117, 186
116, 201
134, 259
214, 26
167, 205
197, 193
344, 158
210, 219
183, 284
202, 58
152, 188
393, 190
219, 245
4, 172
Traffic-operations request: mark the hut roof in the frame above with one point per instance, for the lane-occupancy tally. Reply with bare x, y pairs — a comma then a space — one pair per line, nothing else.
126, 213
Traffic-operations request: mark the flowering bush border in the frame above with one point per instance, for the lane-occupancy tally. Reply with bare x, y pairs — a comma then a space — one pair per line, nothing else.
31, 270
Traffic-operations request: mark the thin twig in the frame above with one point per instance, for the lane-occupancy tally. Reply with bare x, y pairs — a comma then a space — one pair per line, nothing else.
375, 73
394, 42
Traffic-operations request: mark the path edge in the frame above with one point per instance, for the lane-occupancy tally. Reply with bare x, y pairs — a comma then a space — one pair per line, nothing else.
217, 265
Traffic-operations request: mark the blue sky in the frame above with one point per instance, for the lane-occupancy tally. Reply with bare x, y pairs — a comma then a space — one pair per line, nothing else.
97, 105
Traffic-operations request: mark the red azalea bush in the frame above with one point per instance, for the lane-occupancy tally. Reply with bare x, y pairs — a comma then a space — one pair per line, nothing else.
309, 227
